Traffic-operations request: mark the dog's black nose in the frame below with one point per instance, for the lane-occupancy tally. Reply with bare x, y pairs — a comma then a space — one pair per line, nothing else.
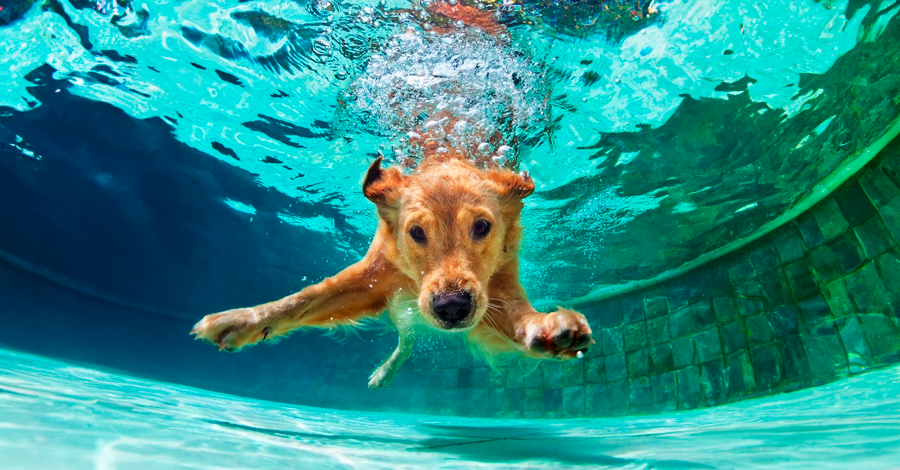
453, 308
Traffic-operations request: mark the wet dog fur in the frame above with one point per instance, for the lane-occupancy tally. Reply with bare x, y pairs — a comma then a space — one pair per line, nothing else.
447, 243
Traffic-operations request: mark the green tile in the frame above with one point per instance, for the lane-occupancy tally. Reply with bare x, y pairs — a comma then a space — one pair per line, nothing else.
824, 351
882, 335
766, 367
890, 213
573, 372
809, 230
803, 283
688, 387
733, 338
595, 371
656, 306
738, 375
683, 352
635, 336
573, 401
888, 267
664, 391
789, 244
724, 308
595, 400
829, 219
835, 294
859, 353
873, 237
661, 359
638, 363
615, 367
847, 251
658, 330
866, 291
641, 395
825, 265
759, 330
878, 187
712, 381
854, 203
708, 346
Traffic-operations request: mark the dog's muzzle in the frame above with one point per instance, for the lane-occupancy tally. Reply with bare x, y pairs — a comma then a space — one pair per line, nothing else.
453, 309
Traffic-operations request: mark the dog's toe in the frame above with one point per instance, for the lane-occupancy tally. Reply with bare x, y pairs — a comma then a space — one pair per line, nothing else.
564, 339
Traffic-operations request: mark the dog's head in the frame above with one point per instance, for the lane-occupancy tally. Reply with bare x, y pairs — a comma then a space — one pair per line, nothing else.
451, 227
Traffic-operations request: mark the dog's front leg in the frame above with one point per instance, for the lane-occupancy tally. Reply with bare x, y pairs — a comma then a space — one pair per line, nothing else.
361, 290
385, 373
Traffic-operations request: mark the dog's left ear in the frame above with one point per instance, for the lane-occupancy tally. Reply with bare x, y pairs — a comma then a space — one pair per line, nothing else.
382, 186
511, 186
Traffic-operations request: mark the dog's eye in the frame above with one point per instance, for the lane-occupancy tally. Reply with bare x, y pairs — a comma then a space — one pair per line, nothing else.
481, 229
417, 234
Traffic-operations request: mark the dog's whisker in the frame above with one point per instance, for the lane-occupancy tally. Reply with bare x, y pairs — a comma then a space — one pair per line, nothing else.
498, 302
500, 310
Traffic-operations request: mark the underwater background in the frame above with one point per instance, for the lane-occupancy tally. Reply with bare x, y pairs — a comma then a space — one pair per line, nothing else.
717, 190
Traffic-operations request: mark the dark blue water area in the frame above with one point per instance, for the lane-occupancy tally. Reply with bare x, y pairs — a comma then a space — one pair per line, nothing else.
129, 242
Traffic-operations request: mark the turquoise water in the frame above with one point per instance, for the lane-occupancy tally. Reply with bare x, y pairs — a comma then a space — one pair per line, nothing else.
161, 161
55, 415
654, 125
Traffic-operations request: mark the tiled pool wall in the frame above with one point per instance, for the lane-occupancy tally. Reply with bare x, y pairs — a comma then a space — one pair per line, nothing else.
814, 300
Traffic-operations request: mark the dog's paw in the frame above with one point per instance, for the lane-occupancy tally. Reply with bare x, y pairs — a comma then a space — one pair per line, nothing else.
380, 378
231, 330
563, 334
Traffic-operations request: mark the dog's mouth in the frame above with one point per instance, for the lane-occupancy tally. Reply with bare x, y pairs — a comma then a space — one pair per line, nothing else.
453, 310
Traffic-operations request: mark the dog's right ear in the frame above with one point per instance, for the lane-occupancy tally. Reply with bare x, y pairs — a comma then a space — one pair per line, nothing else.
382, 186
510, 186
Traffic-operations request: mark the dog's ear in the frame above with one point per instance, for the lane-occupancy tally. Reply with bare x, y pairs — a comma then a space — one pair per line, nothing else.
510, 186
382, 186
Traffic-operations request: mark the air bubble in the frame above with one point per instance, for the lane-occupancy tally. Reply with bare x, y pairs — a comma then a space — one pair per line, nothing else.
423, 78
322, 47
460, 127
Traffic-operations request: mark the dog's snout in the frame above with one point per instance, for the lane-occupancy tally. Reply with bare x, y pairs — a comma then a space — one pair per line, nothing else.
453, 308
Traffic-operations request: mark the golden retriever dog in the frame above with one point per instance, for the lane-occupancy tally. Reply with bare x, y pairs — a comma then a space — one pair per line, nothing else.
447, 242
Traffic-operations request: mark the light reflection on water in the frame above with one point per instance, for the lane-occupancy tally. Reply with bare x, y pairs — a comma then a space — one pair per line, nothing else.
55, 415
258, 85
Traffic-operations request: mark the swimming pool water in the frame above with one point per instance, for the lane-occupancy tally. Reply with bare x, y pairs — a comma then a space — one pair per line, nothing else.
55, 415
649, 157
165, 160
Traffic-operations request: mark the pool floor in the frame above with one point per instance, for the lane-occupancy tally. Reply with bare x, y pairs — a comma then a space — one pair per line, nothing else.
55, 415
